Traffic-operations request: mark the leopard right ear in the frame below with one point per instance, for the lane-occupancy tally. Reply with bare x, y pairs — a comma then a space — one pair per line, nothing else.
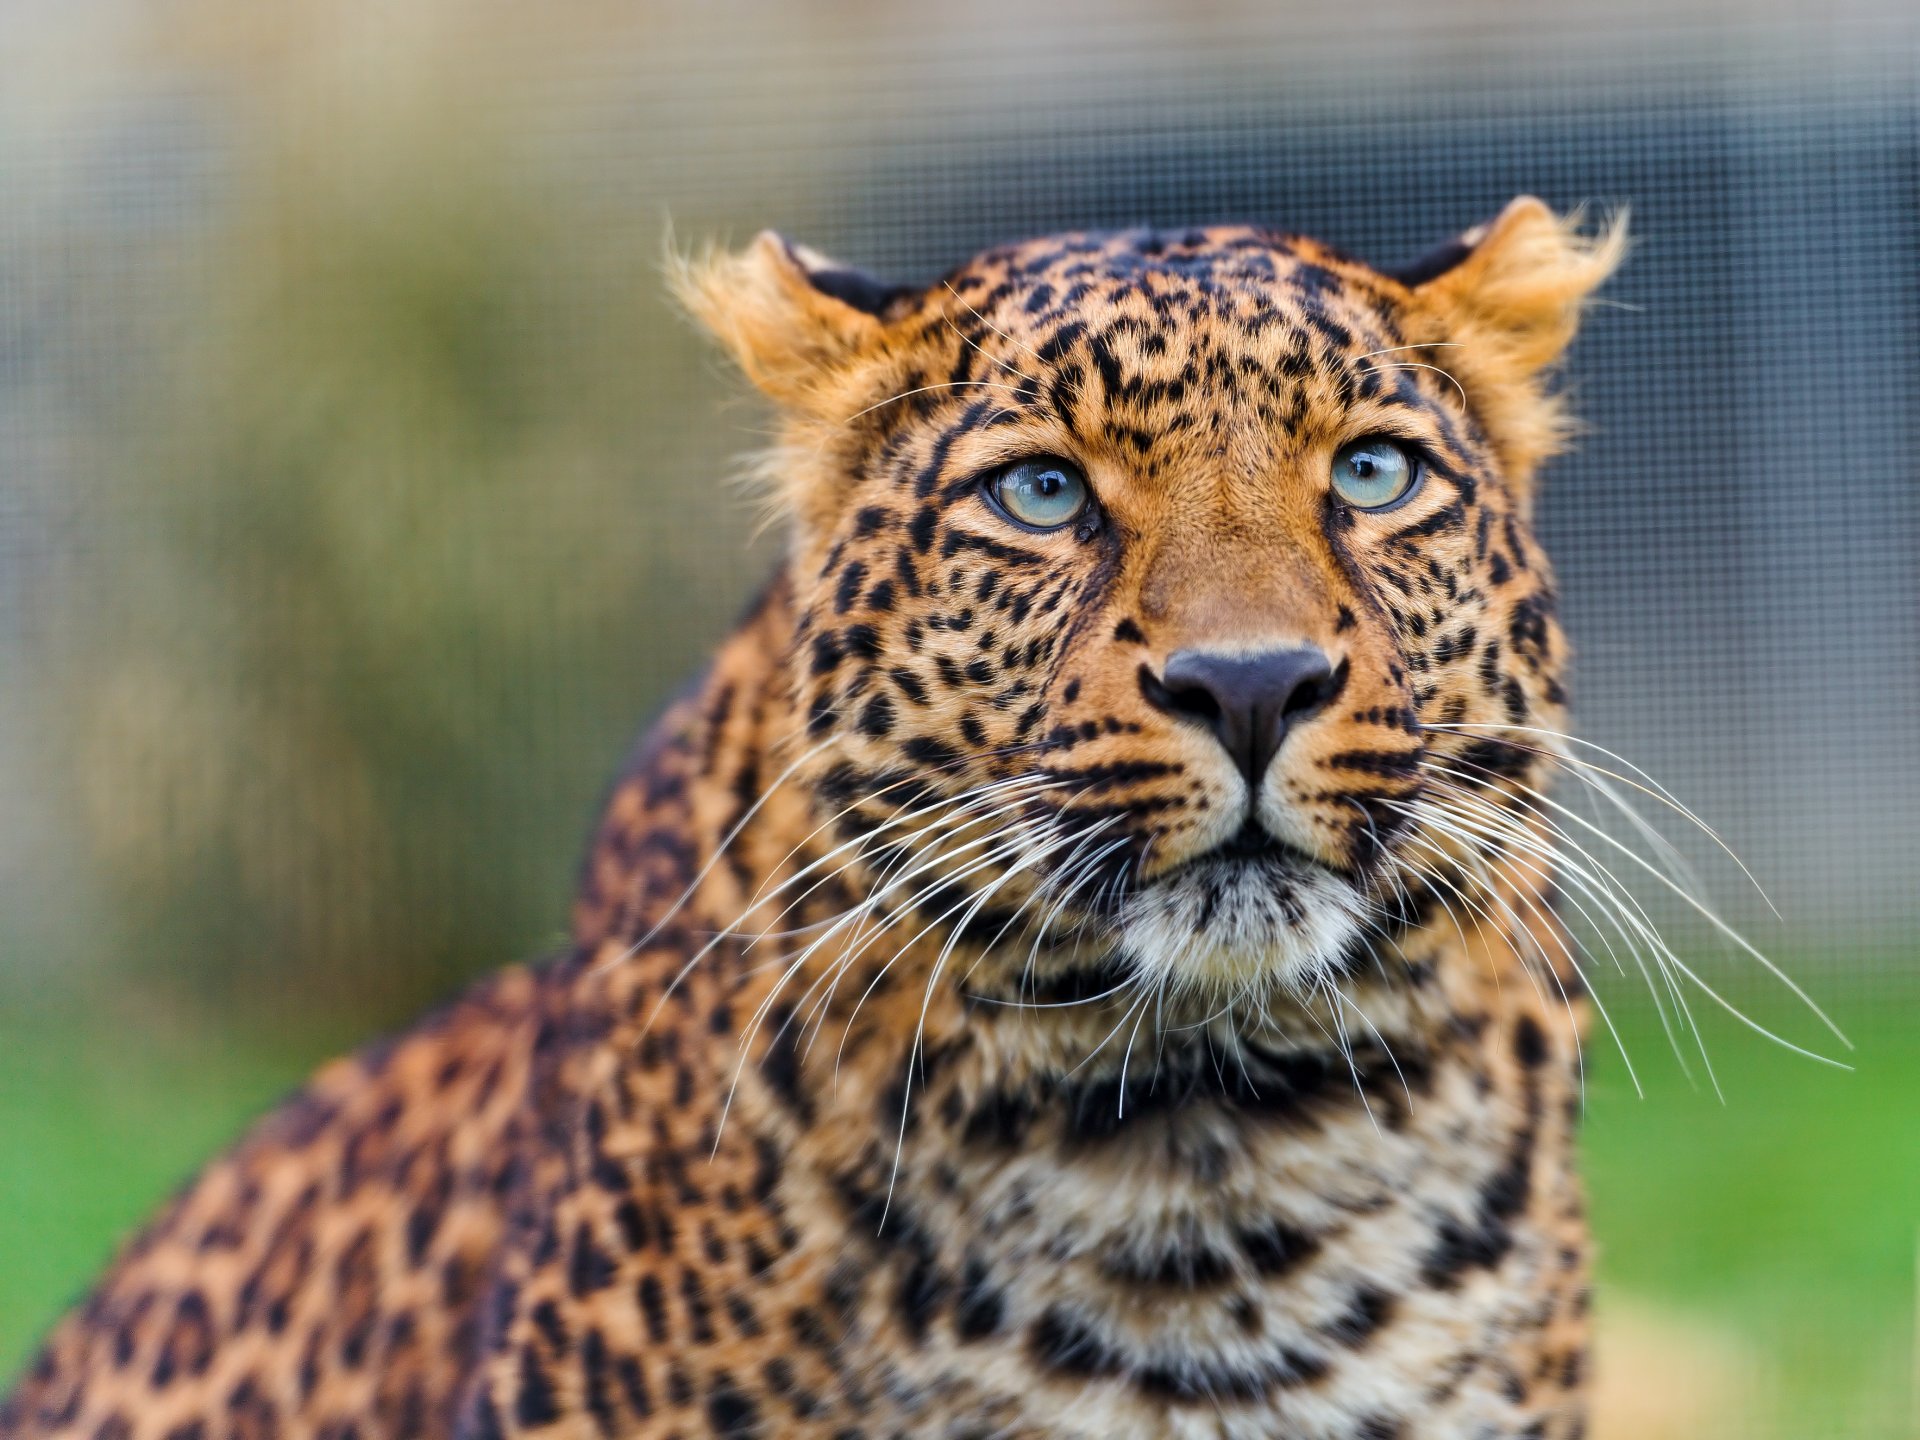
1505, 298
1518, 282
794, 321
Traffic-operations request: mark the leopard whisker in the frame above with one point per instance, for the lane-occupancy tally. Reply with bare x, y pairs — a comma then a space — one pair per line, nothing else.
854, 805
1126, 1057
1630, 920
1033, 856
1416, 365
1418, 345
937, 813
1008, 848
1707, 913
1088, 870
1499, 822
720, 850
1450, 823
1576, 884
991, 358
890, 877
1630, 938
730, 931
1484, 921
924, 389
896, 873
744, 1047
1508, 932
1066, 875
1625, 908
1433, 878
1011, 340
1337, 1038
1646, 783
1125, 1015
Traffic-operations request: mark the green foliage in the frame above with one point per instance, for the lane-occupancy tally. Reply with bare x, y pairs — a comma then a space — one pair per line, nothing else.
399, 540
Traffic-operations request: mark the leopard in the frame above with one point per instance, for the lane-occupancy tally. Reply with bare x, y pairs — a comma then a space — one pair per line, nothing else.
1084, 960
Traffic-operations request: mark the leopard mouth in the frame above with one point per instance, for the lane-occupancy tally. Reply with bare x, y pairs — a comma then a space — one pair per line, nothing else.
1250, 849
1254, 842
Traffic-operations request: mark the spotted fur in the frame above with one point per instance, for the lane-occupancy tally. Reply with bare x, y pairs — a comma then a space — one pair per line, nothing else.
952, 1042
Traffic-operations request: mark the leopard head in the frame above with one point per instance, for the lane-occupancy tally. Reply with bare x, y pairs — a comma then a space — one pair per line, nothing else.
1152, 585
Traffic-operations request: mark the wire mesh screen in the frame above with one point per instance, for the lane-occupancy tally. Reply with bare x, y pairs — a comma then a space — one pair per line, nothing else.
360, 496
1736, 533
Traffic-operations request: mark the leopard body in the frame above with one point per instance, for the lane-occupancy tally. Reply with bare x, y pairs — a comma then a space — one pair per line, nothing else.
935, 1053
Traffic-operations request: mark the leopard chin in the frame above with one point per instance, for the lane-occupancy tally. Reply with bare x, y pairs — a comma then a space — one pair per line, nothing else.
1228, 925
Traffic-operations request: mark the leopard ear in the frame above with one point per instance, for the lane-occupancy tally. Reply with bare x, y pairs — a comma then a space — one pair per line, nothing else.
1506, 299
793, 320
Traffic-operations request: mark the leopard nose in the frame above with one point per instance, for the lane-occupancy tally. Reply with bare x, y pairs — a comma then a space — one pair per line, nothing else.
1250, 702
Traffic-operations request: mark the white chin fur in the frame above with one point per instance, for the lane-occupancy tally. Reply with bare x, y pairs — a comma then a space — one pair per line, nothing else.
1226, 927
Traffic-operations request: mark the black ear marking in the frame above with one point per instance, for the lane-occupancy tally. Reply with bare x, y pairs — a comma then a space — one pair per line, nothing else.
1432, 265
843, 283
856, 288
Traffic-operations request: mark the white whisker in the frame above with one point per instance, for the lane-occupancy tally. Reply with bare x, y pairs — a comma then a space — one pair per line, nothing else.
1707, 913
924, 389
1416, 365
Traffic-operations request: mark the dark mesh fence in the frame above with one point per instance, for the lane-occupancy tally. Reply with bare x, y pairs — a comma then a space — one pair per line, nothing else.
1737, 533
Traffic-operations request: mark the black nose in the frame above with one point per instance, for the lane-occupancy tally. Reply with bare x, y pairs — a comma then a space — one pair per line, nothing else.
1249, 701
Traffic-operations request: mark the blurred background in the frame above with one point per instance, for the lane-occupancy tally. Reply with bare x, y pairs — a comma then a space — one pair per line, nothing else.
360, 497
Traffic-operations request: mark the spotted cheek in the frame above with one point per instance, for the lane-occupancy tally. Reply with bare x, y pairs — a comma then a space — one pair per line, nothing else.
955, 681
1333, 789
1188, 821
1499, 663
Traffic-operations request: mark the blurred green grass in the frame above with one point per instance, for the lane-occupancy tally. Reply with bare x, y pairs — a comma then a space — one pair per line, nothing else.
1783, 1219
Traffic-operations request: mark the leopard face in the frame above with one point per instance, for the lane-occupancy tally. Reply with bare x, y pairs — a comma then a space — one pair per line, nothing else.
1149, 584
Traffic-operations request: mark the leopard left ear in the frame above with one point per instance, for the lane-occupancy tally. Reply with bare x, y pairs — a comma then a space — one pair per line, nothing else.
794, 321
1506, 299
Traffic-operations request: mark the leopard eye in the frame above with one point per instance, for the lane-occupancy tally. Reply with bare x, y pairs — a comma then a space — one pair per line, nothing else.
1040, 494
1373, 474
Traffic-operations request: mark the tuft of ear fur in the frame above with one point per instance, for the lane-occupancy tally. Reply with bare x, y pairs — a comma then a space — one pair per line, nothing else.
1507, 309
792, 320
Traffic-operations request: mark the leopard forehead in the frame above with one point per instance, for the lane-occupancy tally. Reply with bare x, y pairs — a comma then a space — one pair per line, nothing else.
1154, 349
829, 346
1200, 377
1233, 276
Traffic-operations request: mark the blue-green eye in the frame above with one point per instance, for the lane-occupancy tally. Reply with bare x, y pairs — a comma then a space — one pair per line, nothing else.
1373, 474
1041, 494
